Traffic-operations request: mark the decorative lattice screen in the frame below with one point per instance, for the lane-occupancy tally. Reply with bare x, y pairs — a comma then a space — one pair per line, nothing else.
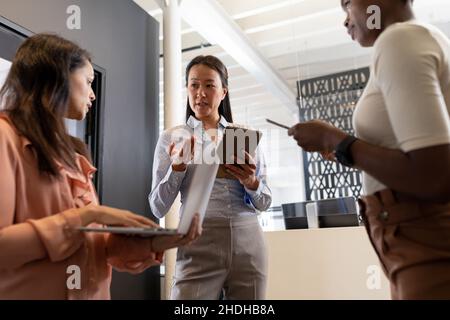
331, 98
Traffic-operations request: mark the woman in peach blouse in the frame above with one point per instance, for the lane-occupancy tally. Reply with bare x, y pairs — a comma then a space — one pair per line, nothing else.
46, 190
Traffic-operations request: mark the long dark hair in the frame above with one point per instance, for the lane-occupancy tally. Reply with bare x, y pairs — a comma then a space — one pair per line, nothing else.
36, 94
217, 65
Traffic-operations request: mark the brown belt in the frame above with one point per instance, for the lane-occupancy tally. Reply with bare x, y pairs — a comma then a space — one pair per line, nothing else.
389, 207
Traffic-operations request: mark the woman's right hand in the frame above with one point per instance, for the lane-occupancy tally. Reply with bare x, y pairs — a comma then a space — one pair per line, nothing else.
179, 161
112, 216
163, 243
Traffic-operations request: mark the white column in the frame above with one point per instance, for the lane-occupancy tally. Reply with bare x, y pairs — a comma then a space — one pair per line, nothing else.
173, 108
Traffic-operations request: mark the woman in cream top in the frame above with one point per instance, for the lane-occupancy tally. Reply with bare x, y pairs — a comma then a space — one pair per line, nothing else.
402, 125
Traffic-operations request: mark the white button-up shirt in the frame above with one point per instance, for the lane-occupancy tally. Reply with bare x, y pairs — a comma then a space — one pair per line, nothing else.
228, 197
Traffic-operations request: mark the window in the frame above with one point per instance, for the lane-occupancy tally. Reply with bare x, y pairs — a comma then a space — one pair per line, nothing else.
4, 69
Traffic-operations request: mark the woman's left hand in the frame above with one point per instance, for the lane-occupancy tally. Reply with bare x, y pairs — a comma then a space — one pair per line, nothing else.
245, 173
163, 243
131, 254
317, 136
135, 254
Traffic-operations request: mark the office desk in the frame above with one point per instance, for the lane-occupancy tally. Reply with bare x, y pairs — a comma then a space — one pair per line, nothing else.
331, 263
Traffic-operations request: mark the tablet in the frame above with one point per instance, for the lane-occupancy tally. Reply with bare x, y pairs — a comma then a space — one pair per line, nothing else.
234, 141
131, 231
198, 194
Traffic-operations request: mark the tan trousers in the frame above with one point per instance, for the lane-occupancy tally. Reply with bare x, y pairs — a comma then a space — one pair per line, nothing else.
229, 258
412, 240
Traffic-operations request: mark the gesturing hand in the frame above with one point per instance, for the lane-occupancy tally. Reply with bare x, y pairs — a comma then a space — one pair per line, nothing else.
317, 136
179, 160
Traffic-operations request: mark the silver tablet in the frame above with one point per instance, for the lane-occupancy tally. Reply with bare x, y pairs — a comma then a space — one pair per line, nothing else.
131, 231
198, 194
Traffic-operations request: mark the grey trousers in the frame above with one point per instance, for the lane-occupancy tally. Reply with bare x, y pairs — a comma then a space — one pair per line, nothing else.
229, 257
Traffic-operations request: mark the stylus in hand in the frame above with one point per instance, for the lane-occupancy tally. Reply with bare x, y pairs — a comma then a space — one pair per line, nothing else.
278, 124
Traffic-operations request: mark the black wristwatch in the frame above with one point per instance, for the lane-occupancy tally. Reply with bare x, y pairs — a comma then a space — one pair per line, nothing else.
342, 152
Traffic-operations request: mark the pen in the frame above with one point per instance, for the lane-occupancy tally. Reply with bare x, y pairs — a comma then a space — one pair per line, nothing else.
277, 124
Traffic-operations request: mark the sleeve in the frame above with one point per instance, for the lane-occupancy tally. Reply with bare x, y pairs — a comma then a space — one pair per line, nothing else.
59, 235
32, 240
166, 182
406, 69
260, 198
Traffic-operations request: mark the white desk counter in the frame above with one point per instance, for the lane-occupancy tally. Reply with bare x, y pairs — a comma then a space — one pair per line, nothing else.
331, 263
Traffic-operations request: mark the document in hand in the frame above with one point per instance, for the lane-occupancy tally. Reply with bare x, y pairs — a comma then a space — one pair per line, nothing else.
235, 140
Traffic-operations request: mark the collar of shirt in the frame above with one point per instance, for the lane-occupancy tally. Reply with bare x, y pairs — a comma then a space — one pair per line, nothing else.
197, 126
194, 122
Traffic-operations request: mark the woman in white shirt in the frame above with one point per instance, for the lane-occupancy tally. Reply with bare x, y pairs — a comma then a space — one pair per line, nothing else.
230, 258
403, 147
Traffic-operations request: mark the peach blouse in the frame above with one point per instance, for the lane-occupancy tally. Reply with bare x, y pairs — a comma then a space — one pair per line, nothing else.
38, 236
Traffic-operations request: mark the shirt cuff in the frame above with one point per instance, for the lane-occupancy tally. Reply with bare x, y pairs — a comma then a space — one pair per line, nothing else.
59, 234
176, 176
255, 193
